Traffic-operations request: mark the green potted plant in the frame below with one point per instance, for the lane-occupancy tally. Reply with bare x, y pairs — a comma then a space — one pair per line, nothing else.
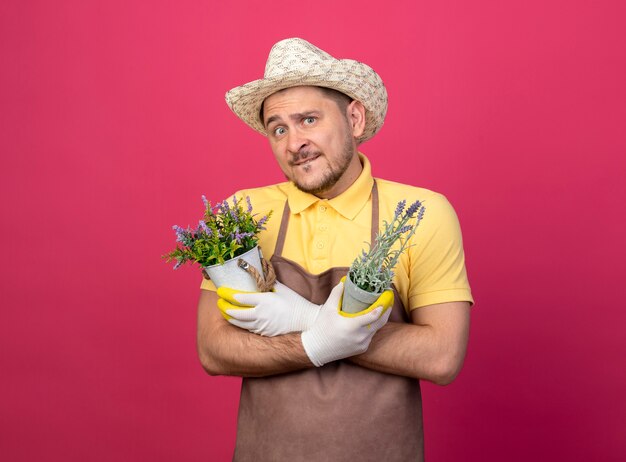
371, 273
224, 244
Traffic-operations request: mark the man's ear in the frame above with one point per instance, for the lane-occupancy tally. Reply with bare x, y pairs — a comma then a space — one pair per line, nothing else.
356, 117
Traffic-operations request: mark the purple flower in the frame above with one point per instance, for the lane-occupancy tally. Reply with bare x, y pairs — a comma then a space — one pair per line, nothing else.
178, 264
241, 236
205, 202
224, 207
400, 208
180, 233
405, 229
413, 208
261, 223
202, 225
249, 204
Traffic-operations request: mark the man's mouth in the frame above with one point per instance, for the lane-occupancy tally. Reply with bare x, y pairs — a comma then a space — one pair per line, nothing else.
305, 161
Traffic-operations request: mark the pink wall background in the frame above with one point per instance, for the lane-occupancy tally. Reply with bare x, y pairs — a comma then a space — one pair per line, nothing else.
113, 124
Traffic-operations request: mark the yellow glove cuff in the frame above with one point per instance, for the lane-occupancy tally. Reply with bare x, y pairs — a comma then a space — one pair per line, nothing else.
228, 294
385, 300
223, 306
227, 301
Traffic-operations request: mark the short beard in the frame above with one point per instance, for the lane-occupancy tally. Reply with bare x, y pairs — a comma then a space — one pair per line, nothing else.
331, 177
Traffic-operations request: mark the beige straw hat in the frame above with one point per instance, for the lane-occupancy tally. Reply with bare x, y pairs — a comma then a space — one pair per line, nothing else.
294, 62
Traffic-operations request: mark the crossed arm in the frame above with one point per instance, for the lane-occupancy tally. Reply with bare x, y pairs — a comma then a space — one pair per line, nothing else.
228, 350
431, 348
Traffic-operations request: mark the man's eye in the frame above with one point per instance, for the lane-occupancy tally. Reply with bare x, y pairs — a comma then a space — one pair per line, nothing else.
309, 120
278, 131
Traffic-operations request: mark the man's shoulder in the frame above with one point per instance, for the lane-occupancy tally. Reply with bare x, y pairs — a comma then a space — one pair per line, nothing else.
438, 208
265, 198
392, 190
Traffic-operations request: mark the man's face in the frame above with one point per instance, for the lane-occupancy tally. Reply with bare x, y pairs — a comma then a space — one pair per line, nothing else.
312, 140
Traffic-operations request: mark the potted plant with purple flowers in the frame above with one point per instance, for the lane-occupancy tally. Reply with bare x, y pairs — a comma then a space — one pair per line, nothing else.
225, 245
372, 272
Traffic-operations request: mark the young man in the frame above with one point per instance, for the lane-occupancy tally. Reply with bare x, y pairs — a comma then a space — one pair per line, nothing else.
320, 385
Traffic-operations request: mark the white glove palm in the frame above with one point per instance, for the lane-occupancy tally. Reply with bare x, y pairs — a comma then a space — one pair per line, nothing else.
267, 313
337, 335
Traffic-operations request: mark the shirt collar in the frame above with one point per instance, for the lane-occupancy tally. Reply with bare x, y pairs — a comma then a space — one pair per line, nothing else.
348, 203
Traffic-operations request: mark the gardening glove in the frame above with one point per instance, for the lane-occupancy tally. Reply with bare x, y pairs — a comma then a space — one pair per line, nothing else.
337, 335
267, 313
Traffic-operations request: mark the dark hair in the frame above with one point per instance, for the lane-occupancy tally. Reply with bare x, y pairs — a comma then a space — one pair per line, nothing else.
341, 99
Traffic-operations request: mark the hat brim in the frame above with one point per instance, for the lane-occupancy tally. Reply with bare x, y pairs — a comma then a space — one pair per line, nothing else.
355, 79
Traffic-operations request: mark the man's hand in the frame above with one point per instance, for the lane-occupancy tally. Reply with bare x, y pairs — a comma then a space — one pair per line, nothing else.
336, 335
279, 312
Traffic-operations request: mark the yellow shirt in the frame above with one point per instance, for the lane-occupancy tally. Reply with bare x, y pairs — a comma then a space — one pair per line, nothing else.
326, 233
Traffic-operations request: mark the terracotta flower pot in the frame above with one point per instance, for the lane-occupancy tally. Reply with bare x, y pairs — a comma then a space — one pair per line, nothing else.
356, 299
230, 274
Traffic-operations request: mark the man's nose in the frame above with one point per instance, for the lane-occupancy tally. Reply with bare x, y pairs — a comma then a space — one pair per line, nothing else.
295, 141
